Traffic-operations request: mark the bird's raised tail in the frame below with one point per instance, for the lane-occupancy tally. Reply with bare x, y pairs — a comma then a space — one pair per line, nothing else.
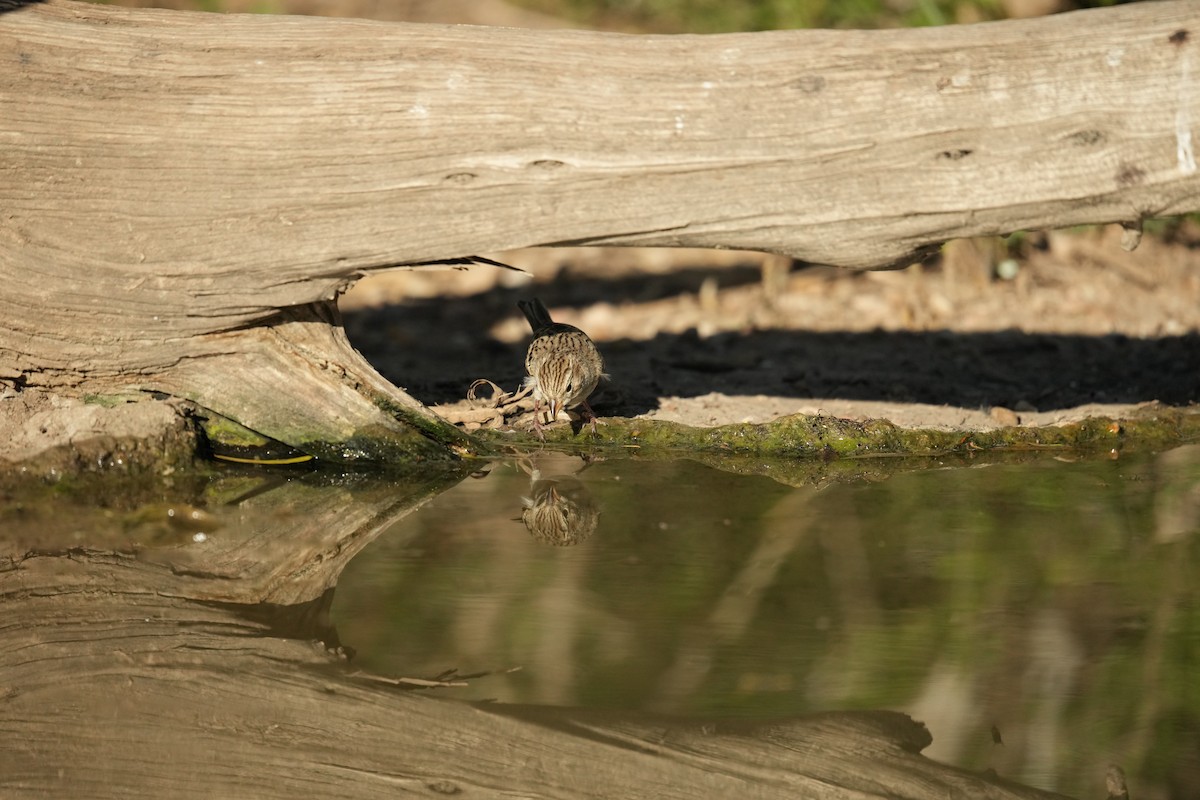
535, 311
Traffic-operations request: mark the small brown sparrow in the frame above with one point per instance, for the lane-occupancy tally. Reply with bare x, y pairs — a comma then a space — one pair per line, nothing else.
564, 365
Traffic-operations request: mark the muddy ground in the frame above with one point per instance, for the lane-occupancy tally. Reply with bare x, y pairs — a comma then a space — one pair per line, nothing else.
1074, 327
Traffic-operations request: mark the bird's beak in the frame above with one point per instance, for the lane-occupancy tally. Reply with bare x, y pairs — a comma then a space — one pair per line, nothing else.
554, 409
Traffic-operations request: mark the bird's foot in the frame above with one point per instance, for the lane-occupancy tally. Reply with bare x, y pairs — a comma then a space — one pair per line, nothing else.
589, 415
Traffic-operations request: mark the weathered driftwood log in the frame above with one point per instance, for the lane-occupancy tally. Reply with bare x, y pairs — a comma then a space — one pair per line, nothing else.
184, 195
194, 672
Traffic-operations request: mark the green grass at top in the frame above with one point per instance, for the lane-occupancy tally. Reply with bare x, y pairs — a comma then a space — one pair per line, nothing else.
715, 16
719, 16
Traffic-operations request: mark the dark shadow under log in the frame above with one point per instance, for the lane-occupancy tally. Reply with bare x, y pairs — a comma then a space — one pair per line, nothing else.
184, 195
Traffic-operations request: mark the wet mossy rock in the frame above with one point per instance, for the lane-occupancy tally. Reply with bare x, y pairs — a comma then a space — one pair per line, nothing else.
179, 218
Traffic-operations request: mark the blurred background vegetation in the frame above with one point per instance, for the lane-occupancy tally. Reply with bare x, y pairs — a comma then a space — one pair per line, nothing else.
670, 16
714, 16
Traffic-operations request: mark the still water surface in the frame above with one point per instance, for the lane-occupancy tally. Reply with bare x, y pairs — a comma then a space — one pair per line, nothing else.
1040, 614
1041, 618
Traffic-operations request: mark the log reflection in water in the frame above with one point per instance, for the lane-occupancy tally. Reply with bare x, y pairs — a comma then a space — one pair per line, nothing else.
198, 669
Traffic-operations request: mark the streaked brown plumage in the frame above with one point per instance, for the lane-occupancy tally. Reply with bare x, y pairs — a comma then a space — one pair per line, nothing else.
564, 365
559, 511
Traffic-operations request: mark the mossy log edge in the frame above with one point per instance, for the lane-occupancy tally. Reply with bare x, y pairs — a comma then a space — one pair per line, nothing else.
178, 435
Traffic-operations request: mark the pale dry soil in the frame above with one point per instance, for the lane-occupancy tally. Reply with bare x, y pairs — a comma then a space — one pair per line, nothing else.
1081, 329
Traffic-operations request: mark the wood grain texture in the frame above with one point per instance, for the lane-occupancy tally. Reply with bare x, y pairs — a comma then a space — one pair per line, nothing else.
171, 177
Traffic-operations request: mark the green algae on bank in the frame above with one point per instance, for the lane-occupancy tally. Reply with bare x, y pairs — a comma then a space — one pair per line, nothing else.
229, 440
826, 437
80, 437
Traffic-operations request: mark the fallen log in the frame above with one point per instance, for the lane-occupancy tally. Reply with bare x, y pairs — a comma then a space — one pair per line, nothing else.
185, 195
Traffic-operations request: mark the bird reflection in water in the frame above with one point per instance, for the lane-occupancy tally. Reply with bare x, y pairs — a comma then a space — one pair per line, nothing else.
559, 509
